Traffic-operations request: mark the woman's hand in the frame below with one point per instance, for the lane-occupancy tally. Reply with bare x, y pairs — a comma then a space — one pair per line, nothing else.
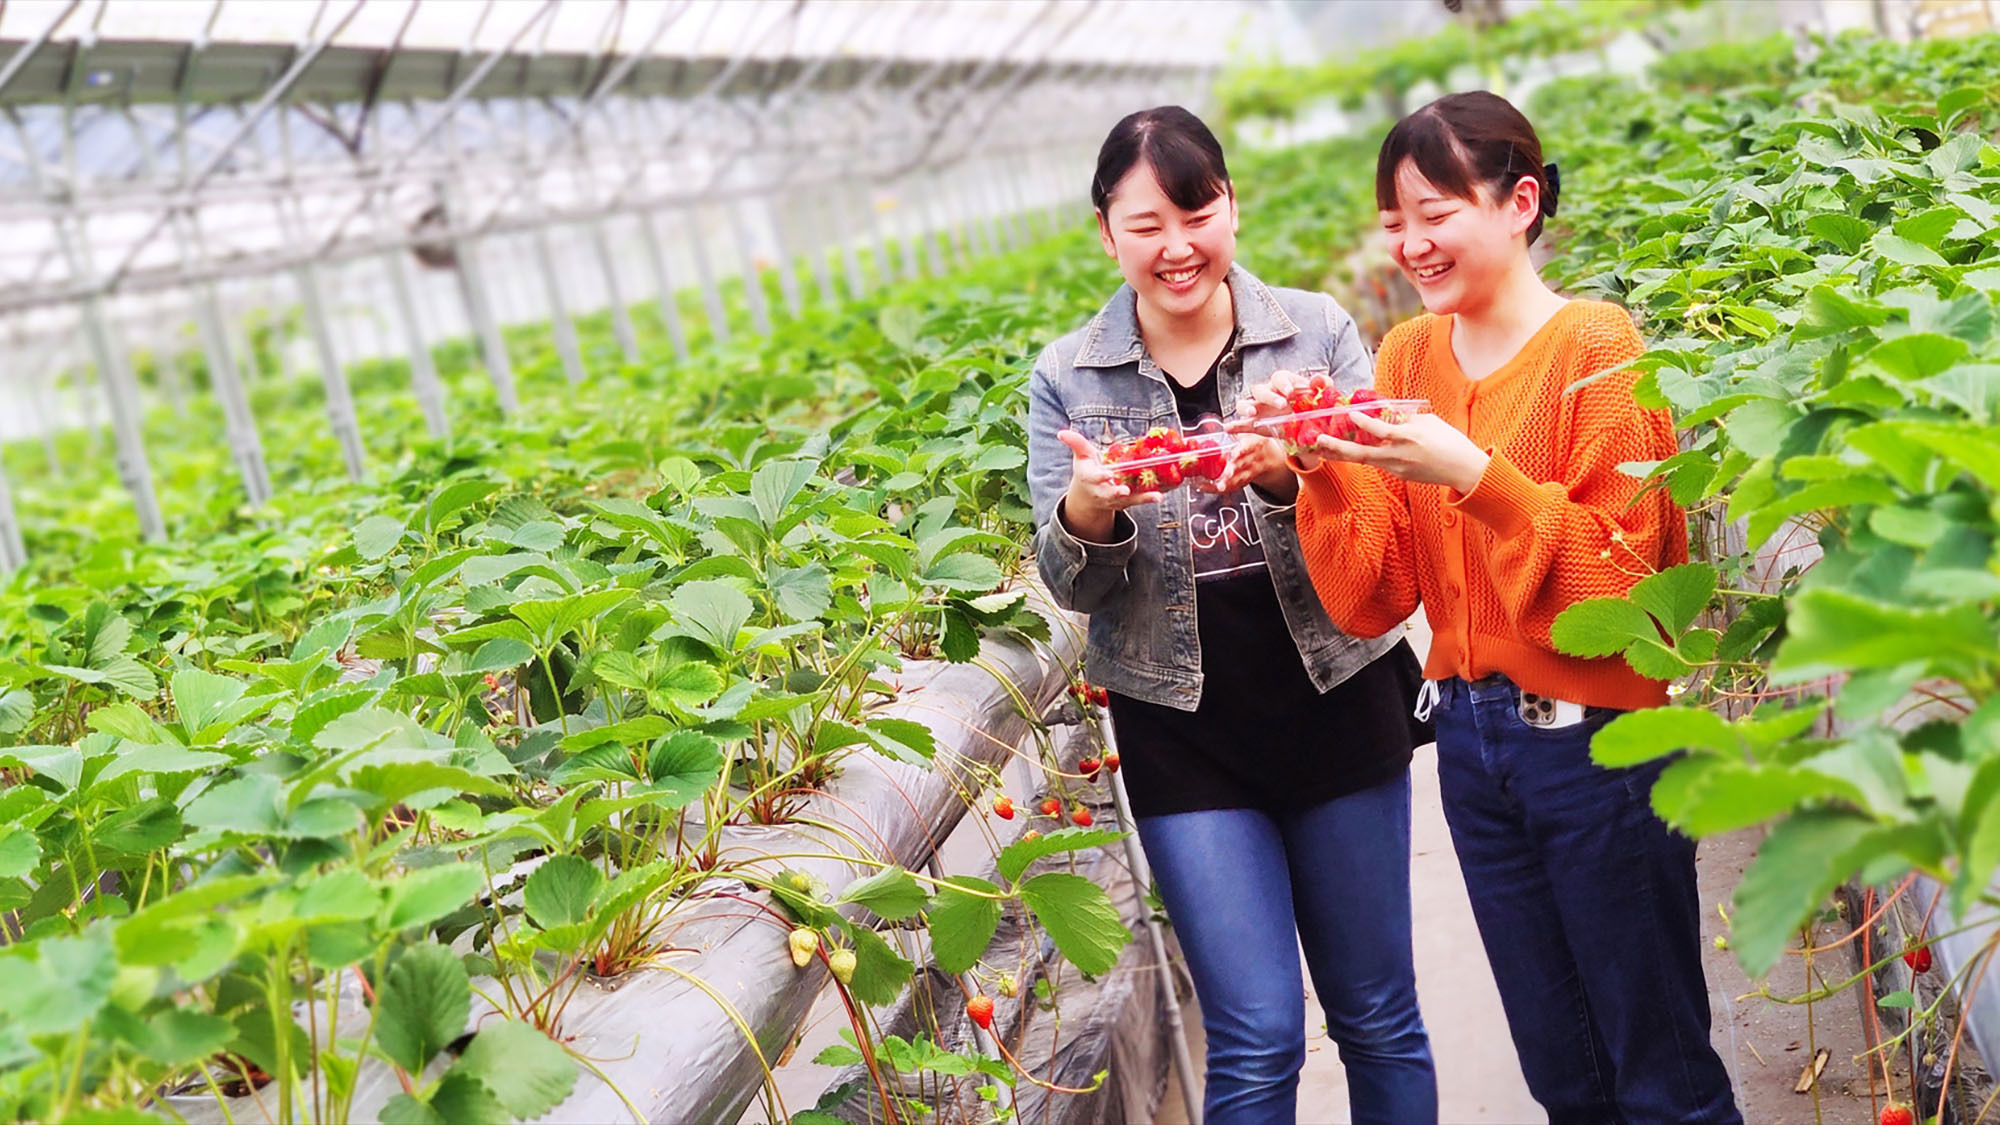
1266, 401
1258, 460
1426, 449
1095, 496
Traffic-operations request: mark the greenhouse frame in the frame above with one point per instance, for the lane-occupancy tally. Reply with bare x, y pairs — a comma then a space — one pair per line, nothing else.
541, 575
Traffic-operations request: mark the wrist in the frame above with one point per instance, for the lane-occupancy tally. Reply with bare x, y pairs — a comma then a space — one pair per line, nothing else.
1472, 472
1086, 521
1281, 483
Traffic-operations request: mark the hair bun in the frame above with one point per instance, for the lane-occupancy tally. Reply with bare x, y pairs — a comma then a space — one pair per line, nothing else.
1552, 177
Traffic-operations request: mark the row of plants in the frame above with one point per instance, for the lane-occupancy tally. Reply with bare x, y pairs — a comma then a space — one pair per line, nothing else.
69, 502
1386, 74
1815, 261
458, 737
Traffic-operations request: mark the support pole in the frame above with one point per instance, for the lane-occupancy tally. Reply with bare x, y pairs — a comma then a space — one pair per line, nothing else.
711, 291
312, 295
246, 448
911, 233
121, 390
621, 316
479, 308
938, 246
813, 209
121, 393
788, 262
472, 282
45, 419
423, 369
978, 232
1142, 874
339, 399
841, 199
878, 233
753, 278
13, 555
560, 325
663, 281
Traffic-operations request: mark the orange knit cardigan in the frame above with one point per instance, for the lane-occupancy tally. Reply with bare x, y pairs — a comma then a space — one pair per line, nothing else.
1552, 522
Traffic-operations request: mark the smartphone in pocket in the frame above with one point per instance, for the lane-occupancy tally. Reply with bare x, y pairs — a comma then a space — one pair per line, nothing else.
1549, 713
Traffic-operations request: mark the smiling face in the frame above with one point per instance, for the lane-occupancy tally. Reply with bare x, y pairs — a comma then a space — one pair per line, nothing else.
1456, 251
1177, 260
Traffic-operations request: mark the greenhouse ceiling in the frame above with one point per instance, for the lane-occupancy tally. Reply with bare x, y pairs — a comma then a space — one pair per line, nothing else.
171, 170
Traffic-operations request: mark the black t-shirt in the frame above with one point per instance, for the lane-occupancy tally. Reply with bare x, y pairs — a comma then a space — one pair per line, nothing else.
1263, 737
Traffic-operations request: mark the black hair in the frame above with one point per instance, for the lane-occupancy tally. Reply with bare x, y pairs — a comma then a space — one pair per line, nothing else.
1184, 156
1462, 142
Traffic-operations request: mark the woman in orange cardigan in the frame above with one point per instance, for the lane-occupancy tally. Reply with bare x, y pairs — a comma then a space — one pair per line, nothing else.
1498, 511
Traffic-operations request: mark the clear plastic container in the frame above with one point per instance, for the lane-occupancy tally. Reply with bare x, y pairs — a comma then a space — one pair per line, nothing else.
1292, 427
1200, 463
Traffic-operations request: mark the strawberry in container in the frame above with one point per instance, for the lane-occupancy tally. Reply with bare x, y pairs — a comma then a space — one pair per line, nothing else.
1320, 408
1165, 458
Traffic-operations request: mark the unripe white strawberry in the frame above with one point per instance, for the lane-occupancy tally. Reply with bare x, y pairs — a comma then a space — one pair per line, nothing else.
803, 942
842, 961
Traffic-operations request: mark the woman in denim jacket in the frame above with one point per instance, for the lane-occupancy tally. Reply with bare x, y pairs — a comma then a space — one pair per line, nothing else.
1266, 752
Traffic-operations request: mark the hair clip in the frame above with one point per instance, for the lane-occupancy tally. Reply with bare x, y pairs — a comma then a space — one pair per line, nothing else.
1553, 178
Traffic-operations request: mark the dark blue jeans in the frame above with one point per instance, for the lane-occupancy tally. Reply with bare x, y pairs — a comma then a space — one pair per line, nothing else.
1587, 905
1245, 890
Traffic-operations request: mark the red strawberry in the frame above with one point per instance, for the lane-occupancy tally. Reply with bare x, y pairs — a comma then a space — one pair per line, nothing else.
1169, 474
980, 1008
1322, 382
1149, 481
1309, 432
1088, 767
1174, 442
1003, 808
1359, 397
1893, 1114
1918, 959
1118, 451
1052, 807
1080, 816
1211, 464
1099, 696
1111, 762
1155, 441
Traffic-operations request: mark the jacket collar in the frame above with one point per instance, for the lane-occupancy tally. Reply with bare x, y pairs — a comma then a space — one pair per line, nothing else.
1113, 337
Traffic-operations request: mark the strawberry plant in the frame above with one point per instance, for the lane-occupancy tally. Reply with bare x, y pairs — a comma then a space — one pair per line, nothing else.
1816, 265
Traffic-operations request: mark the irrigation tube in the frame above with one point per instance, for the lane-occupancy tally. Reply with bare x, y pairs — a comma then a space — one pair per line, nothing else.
677, 1049
1143, 876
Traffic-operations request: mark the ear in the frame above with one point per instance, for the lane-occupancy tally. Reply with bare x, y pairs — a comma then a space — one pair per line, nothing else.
1104, 235
1234, 226
1525, 205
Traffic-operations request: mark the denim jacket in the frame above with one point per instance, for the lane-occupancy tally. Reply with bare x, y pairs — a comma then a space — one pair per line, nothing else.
1139, 590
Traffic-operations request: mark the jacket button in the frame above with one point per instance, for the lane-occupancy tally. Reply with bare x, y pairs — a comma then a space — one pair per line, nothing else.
1450, 518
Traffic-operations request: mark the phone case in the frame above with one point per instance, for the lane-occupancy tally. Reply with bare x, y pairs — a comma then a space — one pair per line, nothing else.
1547, 713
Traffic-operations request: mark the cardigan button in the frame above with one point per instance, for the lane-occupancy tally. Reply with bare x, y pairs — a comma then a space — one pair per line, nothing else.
1450, 518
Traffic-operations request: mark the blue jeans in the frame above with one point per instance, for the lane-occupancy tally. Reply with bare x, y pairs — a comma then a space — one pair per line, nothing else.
1587, 905
1245, 889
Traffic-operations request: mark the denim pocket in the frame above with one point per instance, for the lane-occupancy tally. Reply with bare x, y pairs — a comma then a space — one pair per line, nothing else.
1105, 422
